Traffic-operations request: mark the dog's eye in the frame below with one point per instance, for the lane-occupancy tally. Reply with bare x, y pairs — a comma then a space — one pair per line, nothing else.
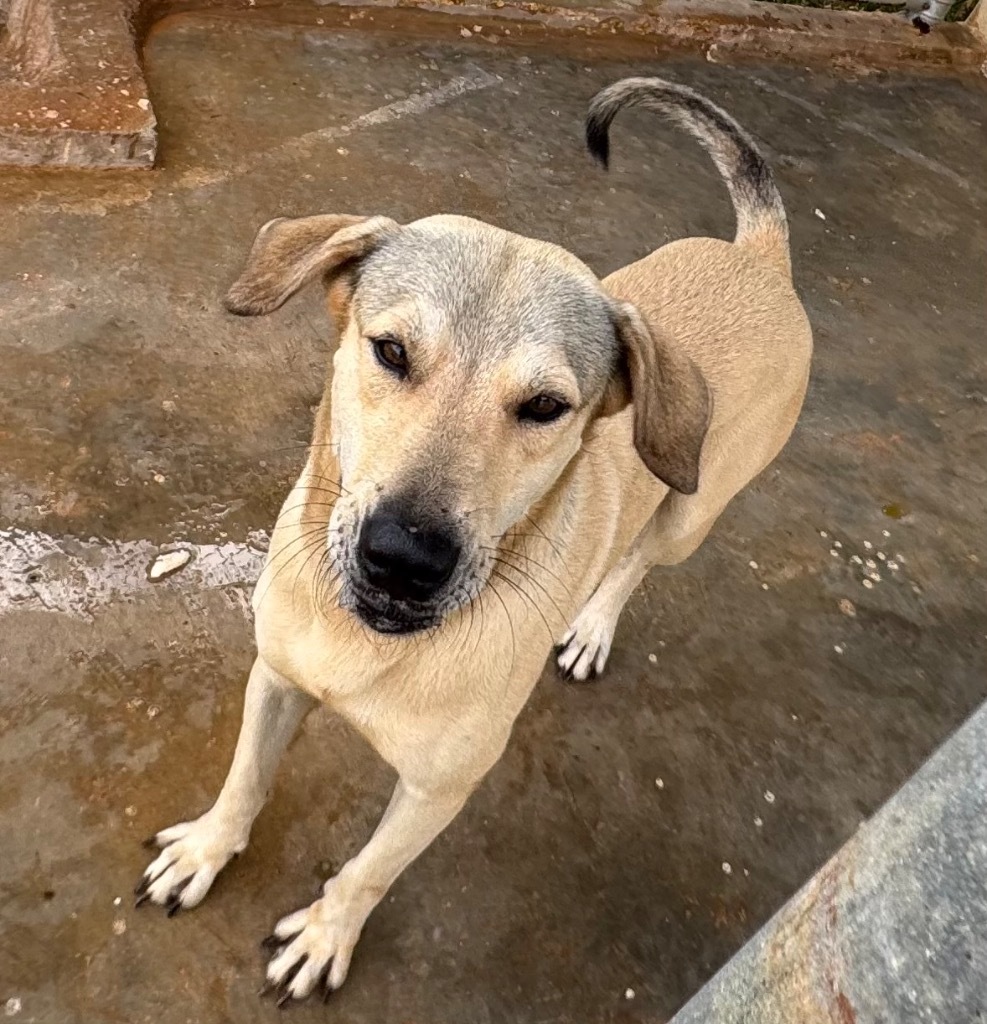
542, 409
391, 355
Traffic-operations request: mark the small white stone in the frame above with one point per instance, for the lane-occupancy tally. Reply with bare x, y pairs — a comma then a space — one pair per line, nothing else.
893, 566
629, 993
653, 658
837, 544
875, 576
882, 557
343, 151
12, 1007
870, 563
118, 901
747, 874
764, 586
119, 926
167, 563
159, 478
769, 796
867, 584
727, 870
659, 783
885, 533
752, 564
465, 32
834, 552
856, 559
758, 822
837, 648
868, 545
819, 214
823, 533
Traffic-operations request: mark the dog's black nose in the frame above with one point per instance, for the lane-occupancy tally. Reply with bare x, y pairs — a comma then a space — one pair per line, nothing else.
405, 560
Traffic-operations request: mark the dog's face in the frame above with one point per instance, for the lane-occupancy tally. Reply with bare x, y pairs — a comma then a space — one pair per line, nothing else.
470, 363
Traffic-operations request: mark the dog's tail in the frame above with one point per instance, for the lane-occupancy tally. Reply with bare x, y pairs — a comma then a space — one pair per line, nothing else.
761, 222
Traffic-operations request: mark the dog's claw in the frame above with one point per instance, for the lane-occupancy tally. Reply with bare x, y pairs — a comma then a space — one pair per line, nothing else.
142, 886
174, 902
141, 900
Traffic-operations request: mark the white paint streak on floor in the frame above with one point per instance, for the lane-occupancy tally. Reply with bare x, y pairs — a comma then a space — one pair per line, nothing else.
76, 577
413, 106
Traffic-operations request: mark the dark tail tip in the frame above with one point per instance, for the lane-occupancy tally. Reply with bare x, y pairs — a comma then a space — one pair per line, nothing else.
598, 137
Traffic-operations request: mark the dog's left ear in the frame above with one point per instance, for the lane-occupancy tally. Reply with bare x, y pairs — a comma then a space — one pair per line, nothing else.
672, 404
288, 254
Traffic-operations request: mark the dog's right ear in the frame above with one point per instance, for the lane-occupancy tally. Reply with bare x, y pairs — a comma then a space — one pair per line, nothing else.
288, 254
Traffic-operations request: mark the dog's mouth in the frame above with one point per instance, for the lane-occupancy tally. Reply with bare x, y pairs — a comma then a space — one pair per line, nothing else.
389, 617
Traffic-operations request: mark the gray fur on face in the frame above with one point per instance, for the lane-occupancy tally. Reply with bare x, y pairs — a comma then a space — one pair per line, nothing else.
521, 294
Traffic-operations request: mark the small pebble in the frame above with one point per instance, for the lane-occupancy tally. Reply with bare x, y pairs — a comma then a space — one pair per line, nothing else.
848, 607
823, 533
629, 993
885, 533
130, 811
868, 545
856, 559
769, 796
819, 214
118, 901
167, 563
837, 544
747, 874
867, 584
758, 822
893, 566
882, 556
153, 711
465, 33
168, 405
875, 576
659, 783
12, 1007
119, 926
653, 658
752, 564
764, 586
870, 563
837, 648
159, 478
727, 870
834, 552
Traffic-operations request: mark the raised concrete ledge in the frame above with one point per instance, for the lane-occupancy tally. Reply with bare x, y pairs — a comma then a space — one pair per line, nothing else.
72, 92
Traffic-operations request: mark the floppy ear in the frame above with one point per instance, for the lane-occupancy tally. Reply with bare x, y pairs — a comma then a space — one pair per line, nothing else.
672, 404
288, 254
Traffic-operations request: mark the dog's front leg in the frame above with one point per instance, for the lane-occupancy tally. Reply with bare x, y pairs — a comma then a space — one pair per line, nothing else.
314, 945
194, 852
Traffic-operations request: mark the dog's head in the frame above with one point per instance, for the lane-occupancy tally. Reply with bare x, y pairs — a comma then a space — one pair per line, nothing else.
471, 363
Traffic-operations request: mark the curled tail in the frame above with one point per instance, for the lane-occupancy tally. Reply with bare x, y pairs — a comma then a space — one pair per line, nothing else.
761, 222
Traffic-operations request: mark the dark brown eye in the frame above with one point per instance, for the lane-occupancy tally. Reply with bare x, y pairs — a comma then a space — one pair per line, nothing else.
391, 355
542, 409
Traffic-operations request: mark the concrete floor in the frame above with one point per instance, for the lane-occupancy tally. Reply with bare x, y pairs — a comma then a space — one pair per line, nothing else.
761, 701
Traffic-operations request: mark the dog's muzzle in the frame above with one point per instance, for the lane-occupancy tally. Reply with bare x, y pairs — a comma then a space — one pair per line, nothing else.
403, 567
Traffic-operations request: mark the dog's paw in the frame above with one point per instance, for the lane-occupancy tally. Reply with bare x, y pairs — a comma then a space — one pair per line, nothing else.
192, 855
584, 650
312, 948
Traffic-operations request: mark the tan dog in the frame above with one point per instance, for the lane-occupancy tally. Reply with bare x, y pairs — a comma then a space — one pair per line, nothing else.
506, 446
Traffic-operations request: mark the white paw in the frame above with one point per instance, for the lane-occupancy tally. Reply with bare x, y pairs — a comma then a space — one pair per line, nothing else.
313, 947
192, 855
584, 650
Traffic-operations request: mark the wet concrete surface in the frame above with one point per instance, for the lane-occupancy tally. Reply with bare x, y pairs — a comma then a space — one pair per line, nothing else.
761, 701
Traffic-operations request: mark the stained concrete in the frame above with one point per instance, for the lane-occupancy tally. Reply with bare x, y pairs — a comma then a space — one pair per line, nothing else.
784, 700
